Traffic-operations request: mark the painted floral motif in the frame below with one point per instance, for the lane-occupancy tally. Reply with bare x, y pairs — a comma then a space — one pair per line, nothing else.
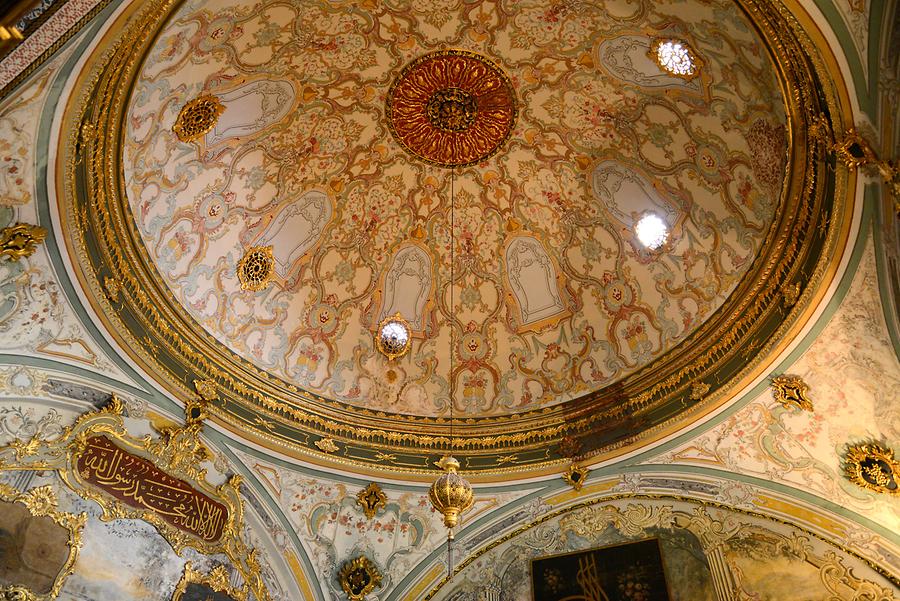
35, 316
697, 153
853, 374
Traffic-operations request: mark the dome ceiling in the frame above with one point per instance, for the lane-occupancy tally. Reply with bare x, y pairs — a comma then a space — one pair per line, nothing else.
555, 296
255, 188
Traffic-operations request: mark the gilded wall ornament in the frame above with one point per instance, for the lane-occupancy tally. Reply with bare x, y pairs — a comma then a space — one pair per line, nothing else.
359, 577
451, 108
257, 268
575, 476
873, 467
113, 288
855, 152
393, 338
206, 389
20, 240
326, 445
371, 499
791, 391
675, 57
41, 502
158, 480
197, 585
790, 294
699, 390
197, 117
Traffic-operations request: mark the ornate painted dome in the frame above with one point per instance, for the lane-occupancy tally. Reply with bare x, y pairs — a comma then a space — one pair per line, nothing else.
618, 178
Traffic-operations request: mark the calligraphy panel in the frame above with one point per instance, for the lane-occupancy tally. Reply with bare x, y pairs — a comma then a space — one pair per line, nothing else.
628, 572
138, 483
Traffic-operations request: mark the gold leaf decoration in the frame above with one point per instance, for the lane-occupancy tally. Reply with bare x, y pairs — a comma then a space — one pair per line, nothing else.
198, 117
791, 391
359, 577
371, 499
873, 467
20, 240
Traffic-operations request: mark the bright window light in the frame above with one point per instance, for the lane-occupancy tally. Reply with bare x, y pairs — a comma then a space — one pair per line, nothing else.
651, 231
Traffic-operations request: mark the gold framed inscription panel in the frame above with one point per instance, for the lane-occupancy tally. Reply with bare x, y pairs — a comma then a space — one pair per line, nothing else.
157, 480
802, 248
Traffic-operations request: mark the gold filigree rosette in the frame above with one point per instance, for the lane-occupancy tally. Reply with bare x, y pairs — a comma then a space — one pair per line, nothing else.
257, 268
198, 117
873, 467
451, 108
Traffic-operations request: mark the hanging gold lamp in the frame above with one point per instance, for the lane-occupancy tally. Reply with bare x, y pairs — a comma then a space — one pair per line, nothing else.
451, 494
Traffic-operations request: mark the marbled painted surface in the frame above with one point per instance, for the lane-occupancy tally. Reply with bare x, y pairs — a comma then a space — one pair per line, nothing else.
36, 317
854, 376
603, 136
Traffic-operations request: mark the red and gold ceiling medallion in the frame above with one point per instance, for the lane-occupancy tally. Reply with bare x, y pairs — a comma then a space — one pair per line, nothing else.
451, 108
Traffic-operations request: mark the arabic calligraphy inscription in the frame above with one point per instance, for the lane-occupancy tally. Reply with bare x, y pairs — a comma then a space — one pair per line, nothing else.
140, 484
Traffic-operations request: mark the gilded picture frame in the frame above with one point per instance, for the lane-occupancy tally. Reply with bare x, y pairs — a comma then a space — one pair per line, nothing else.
216, 581
42, 502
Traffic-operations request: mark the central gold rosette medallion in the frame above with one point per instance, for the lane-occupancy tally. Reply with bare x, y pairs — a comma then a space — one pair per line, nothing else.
451, 108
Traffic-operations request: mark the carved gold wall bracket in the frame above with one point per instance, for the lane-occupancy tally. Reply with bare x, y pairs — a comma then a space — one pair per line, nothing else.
20, 240
575, 476
371, 499
101, 462
855, 152
359, 577
41, 502
791, 391
873, 467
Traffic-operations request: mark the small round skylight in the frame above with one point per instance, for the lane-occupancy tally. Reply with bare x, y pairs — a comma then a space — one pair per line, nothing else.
676, 57
651, 231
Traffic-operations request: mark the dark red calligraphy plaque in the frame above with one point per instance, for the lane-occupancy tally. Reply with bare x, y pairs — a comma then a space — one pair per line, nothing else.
138, 483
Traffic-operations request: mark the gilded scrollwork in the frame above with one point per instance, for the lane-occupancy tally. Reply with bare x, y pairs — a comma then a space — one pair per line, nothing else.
791, 391
20, 240
873, 467
371, 499
41, 502
158, 480
359, 577
216, 581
